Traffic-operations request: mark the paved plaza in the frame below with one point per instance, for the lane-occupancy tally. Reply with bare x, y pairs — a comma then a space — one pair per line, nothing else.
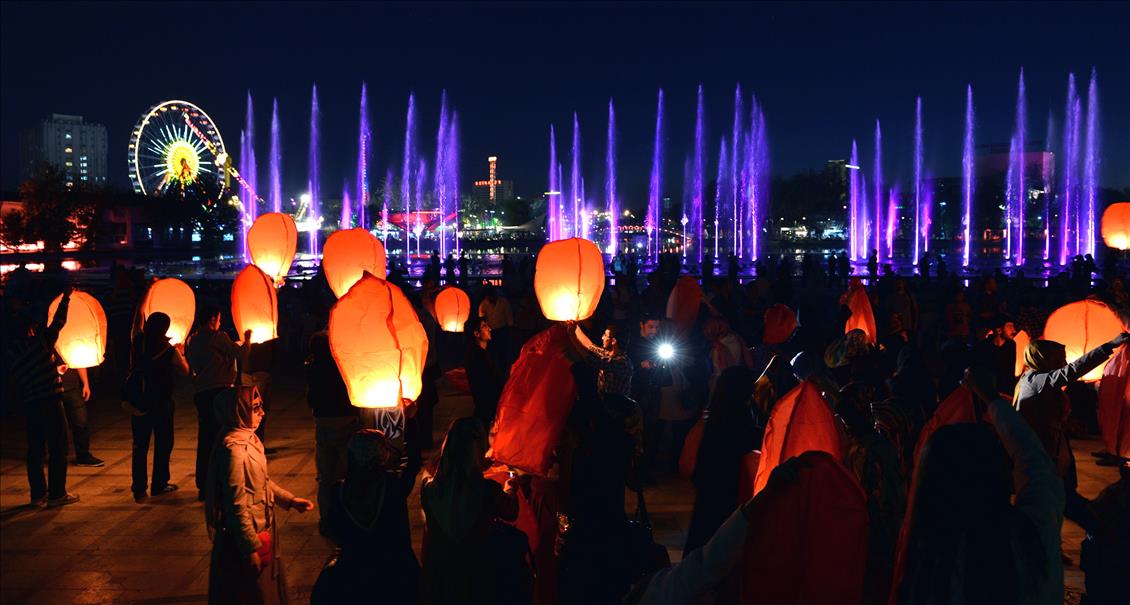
108, 549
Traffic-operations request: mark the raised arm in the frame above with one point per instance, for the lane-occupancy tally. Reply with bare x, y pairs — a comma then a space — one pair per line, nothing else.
1087, 362
60, 318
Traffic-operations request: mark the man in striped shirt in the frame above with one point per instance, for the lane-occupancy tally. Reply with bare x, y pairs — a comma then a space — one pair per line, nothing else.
35, 376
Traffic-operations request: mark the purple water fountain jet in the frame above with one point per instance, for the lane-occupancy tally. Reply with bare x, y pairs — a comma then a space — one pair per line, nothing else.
918, 209
346, 209
364, 153
406, 175
610, 184
249, 171
1049, 185
418, 226
276, 160
313, 211
892, 217
1070, 151
878, 220
386, 201
553, 195
720, 191
967, 164
1091, 165
736, 189
1010, 195
854, 230
1016, 164
758, 161
576, 196
652, 223
440, 178
697, 183
453, 175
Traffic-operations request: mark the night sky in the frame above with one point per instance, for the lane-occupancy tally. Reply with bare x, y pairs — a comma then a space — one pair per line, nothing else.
823, 72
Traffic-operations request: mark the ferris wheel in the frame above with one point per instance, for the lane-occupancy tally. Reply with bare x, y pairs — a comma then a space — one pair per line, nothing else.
176, 146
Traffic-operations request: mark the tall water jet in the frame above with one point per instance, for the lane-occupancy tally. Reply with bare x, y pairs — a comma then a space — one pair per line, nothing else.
313, 210
688, 192
1049, 184
386, 202
865, 220
244, 196
440, 178
249, 171
346, 209
892, 217
276, 160
406, 174
918, 209
878, 221
721, 191
1010, 196
967, 163
576, 201
758, 161
1091, 165
553, 195
364, 153
453, 174
652, 223
610, 184
1019, 183
736, 189
697, 184
854, 230
928, 185
1070, 151
418, 226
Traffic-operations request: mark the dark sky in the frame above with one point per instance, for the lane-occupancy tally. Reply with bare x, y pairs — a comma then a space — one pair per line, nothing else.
823, 72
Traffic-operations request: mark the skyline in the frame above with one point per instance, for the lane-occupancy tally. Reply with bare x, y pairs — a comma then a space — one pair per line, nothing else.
508, 113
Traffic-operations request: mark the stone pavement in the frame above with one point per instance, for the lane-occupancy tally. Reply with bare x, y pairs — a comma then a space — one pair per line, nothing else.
108, 549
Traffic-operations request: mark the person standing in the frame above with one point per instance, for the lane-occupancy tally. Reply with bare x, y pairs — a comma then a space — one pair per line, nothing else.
484, 376
160, 363
34, 373
649, 374
76, 392
215, 362
335, 420
496, 310
240, 508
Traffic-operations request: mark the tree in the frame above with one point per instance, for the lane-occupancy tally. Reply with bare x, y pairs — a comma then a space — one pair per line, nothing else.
49, 213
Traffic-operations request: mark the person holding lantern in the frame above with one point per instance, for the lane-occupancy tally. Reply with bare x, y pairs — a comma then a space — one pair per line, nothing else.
240, 507
159, 363
76, 393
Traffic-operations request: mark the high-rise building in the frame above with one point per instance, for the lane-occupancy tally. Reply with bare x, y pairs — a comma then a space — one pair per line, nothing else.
492, 190
76, 147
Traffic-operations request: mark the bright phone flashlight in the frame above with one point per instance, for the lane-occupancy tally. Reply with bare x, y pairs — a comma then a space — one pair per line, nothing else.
666, 351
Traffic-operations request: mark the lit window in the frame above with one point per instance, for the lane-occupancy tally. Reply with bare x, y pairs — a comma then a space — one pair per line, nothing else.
68, 136
69, 164
68, 150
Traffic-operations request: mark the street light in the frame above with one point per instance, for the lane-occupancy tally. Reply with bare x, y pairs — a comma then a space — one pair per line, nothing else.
684, 222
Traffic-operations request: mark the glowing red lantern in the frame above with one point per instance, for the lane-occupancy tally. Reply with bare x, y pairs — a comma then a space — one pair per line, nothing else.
453, 307
683, 302
800, 421
780, 322
1081, 326
272, 241
1021, 340
569, 279
1116, 226
862, 317
255, 305
82, 341
174, 298
378, 343
349, 254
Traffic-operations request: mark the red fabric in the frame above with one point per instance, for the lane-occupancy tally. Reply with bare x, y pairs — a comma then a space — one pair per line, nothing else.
747, 476
266, 553
955, 409
535, 403
800, 421
682, 304
457, 379
780, 322
807, 539
689, 455
862, 318
1114, 404
526, 521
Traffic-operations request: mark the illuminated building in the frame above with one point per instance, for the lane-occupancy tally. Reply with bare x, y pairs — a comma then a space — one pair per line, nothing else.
76, 147
492, 190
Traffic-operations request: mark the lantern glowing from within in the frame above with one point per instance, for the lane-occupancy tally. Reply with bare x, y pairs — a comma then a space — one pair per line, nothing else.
255, 305
1021, 341
1116, 226
174, 298
1081, 326
453, 307
569, 279
378, 343
82, 341
272, 241
350, 253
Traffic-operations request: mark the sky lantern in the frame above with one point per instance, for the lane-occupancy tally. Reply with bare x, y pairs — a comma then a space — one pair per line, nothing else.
255, 305
1021, 340
1114, 404
569, 279
1081, 326
174, 298
862, 317
1116, 225
82, 341
800, 421
272, 241
378, 343
780, 322
350, 253
453, 307
683, 302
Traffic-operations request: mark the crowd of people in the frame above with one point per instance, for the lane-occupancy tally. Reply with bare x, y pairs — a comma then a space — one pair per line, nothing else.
952, 508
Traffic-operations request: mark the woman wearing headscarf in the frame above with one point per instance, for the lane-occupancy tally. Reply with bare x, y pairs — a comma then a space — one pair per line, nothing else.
460, 506
1040, 400
240, 507
159, 363
368, 520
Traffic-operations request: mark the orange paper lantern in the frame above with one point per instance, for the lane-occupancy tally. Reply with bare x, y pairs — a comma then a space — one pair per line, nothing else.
862, 317
1021, 340
1116, 226
255, 305
378, 343
800, 421
780, 323
272, 241
453, 307
1081, 326
1114, 404
569, 279
683, 302
82, 341
174, 298
350, 253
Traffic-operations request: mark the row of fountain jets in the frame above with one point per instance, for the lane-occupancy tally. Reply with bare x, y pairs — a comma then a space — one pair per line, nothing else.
1068, 191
